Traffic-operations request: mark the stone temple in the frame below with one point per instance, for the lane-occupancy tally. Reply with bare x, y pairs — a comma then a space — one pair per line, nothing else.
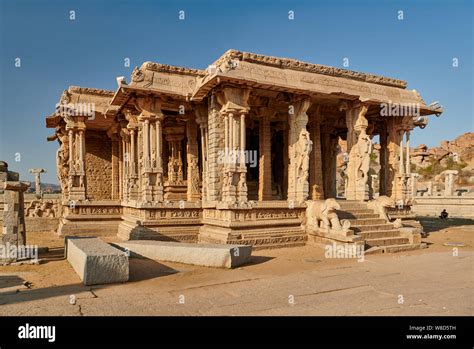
243, 152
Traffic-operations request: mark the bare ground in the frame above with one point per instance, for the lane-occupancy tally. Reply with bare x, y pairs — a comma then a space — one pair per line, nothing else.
292, 281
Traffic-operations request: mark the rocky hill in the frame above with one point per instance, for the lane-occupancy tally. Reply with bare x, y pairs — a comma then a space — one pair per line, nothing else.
457, 154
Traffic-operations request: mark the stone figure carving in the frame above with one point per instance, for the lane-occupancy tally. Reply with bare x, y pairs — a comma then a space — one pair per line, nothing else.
194, 175
62, 161
380, 206
137, 75
303, 149
326, 216
39, 208
364, 149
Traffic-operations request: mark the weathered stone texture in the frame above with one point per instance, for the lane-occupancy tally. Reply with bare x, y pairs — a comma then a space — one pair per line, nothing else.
98, 166
208, 255
96, 262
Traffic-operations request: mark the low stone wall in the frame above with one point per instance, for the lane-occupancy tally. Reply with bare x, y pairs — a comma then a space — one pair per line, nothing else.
40, 214
37, 224
462, 207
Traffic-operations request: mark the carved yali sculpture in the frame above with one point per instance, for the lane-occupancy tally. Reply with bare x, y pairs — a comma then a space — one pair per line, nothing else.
380, 206
326, 216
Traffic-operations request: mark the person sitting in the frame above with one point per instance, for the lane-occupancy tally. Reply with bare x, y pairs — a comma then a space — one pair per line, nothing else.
443, 214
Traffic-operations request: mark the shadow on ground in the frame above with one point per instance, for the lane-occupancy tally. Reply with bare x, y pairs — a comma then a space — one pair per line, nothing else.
144, 269
433, 224
53, 254
7, 281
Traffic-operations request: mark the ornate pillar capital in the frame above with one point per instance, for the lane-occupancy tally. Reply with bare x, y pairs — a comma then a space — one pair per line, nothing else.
149, 107
234, 100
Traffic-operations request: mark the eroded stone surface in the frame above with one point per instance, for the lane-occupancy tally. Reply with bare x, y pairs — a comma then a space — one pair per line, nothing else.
96, 262
208, 255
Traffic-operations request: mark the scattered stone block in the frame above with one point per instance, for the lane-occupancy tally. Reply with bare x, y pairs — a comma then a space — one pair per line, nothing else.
96, 262
208, 255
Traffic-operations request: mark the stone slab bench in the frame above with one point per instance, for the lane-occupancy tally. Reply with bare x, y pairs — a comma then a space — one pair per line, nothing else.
208, 255
96, 262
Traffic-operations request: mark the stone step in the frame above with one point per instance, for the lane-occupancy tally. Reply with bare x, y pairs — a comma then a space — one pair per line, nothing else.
370, 227
376, 234
347, 215
208, 255
367, 221
393, 248
386, 241
356, 212
348, 207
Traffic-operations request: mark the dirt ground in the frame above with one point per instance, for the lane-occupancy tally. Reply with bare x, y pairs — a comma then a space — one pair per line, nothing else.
437, 280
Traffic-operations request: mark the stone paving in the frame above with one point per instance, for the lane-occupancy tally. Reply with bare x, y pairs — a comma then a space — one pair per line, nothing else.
291, 281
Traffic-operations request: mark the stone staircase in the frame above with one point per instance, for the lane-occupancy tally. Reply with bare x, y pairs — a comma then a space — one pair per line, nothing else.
379, 236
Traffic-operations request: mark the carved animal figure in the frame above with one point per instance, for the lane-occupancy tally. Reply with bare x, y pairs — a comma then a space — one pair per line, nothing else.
326, 215
380, 206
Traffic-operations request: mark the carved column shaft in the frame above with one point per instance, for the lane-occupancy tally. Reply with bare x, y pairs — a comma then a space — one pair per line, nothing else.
131, 154
401, 165
192, 161
234, 109
360, 147
76, 186
265, 161
115, 169
316, 172
71, 152
299, 152
201, 120
121, 167
158, 137
146, 144
407, 156
217, 145
383, 161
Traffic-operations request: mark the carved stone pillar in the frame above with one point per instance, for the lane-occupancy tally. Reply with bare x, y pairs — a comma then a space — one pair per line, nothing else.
150, 136
359, 145
329, 159
299, 151
397, 179
216, 149
286, 163
201, 119
125, 164
383, 160
265, 160
449, 182
234, 109
401, 164
316, 172
407, 152
158, 190
242, 185
76, 187
192, 161
115, 169
414, 184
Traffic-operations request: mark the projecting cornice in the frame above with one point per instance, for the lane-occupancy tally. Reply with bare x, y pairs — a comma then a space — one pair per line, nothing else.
293, 64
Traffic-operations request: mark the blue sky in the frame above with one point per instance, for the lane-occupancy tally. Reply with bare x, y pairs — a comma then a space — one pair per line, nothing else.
56, 52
